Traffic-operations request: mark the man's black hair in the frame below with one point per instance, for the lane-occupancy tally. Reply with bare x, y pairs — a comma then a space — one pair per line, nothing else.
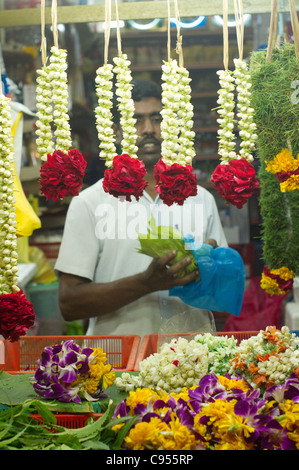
145, 89
141, 89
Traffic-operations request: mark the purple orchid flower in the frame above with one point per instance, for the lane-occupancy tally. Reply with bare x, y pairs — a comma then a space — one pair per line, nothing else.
59, 367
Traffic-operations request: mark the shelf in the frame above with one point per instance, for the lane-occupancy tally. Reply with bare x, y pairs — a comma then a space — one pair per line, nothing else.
30, 173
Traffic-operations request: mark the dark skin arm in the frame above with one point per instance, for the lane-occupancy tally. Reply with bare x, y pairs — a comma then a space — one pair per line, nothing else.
80, 299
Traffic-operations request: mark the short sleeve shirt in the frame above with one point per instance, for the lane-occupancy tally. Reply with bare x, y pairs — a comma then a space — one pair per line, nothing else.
100, 243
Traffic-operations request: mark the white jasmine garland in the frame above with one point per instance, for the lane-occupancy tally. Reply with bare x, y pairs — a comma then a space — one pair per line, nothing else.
44, 141
127, 382
52, 105
177, 115
226, 136
8, 237
125, 104
104, 119
180, 363
240, 78
245, 111
58, 78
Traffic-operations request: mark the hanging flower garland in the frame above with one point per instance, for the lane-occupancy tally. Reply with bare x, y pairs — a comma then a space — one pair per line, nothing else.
63, 170
235, 178
16, 312
286, 169
277, 118
124, 176
174, 172
175, 180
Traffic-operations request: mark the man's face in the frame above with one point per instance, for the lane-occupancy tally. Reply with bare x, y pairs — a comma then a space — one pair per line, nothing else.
148, 122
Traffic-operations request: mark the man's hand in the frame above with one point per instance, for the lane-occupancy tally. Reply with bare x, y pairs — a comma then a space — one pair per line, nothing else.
162, 274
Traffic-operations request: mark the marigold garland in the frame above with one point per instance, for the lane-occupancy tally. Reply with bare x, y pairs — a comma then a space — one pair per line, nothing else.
276, 117
286, 169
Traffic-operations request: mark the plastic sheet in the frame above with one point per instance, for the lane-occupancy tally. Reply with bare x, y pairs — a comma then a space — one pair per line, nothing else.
222, 279
259, 310
188, 324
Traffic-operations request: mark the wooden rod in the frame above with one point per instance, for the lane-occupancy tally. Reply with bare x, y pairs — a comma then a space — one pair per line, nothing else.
130, 11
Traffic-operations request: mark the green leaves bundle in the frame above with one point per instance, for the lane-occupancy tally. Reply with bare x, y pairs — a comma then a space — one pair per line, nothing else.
162, 239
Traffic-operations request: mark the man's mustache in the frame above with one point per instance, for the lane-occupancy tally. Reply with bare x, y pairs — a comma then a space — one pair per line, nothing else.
149, 140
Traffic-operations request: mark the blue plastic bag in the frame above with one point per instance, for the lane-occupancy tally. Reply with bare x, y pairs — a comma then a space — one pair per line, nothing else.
222, 279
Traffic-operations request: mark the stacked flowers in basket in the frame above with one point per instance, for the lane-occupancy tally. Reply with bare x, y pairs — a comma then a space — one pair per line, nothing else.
219, 413
212, 394
235, 178
16, 312
124, 176
63, 169
175, 180
69, 373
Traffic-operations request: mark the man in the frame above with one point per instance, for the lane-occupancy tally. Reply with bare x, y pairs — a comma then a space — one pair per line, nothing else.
103, 278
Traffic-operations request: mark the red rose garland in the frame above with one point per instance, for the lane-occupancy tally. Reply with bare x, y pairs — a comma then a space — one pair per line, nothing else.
125, 178
235, 181
16, 315
61, 174
175, 183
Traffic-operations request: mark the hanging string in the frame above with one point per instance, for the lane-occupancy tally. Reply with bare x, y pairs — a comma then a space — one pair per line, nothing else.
54, 23
225, 35
43, 46
239, 17
107, 29
168, 31
295, 26
118, 30
179, 44
273, 29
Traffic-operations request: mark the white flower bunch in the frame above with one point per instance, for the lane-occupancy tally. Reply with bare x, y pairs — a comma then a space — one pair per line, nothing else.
245, 111
180, 363
58, 78
125, 104
8, 237
240, 78
221, 350
277, 367
44, 141
104, 119
127, 382
52, 105
177, 115
226, 135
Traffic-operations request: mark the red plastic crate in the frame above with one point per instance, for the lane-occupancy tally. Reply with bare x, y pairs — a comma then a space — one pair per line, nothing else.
69, 421
149, 343
22, 356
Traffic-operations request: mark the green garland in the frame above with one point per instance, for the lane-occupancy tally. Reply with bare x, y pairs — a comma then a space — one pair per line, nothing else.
277, 120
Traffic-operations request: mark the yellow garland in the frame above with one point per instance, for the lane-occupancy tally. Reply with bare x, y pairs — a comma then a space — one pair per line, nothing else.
284, 162
270, 285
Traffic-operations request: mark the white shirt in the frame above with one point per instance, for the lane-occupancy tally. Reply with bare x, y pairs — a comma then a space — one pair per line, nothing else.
100, 243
